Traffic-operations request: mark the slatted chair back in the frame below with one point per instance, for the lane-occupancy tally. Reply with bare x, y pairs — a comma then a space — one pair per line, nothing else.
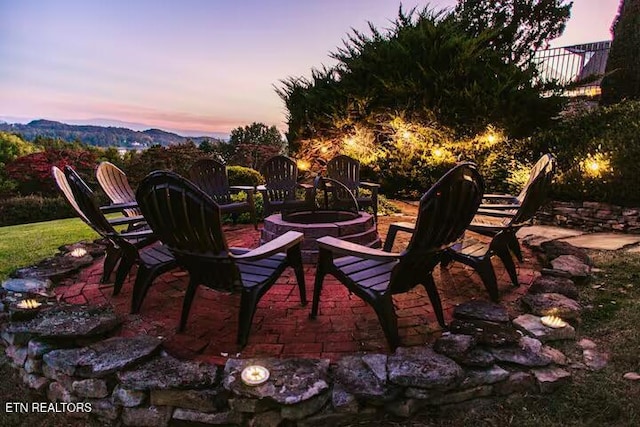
63, 185
535, 192
542, 166
346, 170
211, 177
188, 222
281, 176
116, 186
87, 203
445, 211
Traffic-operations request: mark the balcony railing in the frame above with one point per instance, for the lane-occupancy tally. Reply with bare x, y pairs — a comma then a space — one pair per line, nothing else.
581, 66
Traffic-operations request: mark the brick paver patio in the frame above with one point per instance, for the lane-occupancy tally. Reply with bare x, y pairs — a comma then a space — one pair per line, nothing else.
281, 327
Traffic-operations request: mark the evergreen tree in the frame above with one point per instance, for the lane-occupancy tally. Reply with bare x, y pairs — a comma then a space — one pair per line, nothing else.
622, 77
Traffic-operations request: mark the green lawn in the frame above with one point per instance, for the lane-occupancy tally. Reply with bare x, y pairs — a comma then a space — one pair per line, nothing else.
25, 244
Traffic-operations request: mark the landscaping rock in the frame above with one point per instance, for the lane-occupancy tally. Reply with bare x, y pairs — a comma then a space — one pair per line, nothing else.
404, 408
128, 398
58, 393
54, 268
461, 396
164, 373
518, 382
198, 400
555, 355
477, 357
527, 353
38, 348
556, 248
267, 419
35, 382
532, 326
357, 377
291, 381
67, 321
304, 408
104, 408
454, 345
421, 367
549, 379
489, 333
586, 343
218, 418
555, 285
92, 388
478, 377
552, 304
481, 310
104, 357
595, 360
152, 416
632, 376
572, 265
28, 286
251, 406
33, 366
18, 355
343, 401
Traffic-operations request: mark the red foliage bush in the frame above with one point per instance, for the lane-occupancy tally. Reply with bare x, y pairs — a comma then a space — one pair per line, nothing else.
33, 171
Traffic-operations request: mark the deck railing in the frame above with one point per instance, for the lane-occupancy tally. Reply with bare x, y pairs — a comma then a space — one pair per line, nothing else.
580, 65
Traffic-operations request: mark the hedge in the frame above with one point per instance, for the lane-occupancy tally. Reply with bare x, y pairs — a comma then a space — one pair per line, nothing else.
22, 210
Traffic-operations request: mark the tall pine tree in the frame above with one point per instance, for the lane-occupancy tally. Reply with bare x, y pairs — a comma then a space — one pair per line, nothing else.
622, 77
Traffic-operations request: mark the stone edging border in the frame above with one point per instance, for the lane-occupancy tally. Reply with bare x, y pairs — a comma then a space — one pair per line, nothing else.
130, 380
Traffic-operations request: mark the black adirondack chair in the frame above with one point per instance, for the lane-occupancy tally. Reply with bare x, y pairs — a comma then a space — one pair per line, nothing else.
346, 170
508, 203
375, 275
212, 178
501, 226
188, 222
127, 248
281, 176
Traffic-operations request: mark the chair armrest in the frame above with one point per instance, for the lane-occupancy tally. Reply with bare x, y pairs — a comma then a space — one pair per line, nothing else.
133, 234
261, 188
277, 245
126, 220
369, 185
407, 227
500, 198
305, 186
500, 207
116, 207
247, 188
496, 212
342, 247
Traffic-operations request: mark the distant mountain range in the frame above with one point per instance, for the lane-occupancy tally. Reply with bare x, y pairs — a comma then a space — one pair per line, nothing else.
100, 136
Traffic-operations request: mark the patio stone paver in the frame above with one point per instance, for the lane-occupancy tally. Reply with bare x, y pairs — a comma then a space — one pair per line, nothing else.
281, 327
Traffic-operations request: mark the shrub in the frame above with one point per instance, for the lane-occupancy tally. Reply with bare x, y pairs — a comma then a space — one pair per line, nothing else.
21, 210
32, 172
597, 154
239, 175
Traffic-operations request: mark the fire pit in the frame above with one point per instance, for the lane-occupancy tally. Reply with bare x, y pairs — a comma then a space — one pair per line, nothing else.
334, 213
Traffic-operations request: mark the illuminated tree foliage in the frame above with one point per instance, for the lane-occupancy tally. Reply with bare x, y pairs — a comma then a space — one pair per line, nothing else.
622, 77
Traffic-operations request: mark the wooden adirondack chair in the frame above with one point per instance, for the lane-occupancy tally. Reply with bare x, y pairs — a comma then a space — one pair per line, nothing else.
375, 275
126, 248
281, 176
346, 170
188, 222
212, 178
116, 186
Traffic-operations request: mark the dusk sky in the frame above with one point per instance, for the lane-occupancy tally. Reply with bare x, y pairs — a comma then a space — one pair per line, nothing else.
191, 66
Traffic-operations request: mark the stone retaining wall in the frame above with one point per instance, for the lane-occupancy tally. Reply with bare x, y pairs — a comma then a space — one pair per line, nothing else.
69, 354
590, 216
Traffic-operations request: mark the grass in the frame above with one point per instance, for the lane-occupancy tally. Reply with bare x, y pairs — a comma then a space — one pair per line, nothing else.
26, 244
